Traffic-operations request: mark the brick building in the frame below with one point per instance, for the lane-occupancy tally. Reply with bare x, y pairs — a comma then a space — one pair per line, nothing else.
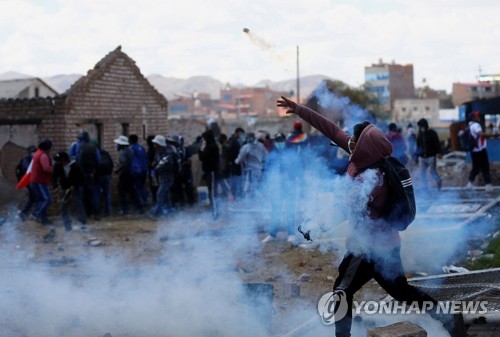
113, 99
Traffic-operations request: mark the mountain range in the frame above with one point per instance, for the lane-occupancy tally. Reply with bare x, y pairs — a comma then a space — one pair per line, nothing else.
170, 87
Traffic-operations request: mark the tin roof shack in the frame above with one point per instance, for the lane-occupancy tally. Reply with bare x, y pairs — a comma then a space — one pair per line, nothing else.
113, 99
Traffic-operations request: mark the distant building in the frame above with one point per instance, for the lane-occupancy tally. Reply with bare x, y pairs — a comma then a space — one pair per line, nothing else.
259, 102
465, 92
389, 82
189, 105
26, 88
233, 102
411, 110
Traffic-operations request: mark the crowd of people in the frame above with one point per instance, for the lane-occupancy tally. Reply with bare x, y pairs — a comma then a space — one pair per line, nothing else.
153, 180
157, 180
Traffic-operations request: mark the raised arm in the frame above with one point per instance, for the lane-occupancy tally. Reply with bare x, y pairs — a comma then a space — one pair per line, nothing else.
318, 121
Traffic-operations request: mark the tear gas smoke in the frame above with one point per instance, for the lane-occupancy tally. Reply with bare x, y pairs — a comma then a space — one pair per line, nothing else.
192, 288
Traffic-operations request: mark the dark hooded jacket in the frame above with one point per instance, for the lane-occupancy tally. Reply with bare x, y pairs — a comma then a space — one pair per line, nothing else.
371, 147
428, 144
209, 155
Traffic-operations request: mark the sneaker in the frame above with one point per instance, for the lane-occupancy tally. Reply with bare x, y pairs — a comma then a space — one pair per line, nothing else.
469, 186
267, 239
488, 187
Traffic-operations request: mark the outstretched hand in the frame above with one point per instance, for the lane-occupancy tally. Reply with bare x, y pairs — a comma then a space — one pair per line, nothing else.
289, 105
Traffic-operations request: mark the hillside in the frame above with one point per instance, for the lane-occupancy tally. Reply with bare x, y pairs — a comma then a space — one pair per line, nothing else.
170, 86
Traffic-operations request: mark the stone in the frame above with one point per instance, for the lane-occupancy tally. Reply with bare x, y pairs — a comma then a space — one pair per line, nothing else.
400, 329
304, 277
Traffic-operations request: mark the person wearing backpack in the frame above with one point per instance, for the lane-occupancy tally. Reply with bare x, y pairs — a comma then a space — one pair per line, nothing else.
104, 172
67, 179
479, 154
21, 169
373, 248
165, 165
86, 154
139, 168
125, 188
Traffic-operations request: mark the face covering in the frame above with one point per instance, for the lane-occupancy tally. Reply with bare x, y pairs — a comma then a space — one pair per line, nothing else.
280, 145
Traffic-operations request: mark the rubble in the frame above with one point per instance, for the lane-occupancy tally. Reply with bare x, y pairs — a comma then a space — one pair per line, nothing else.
401, 329
94, 242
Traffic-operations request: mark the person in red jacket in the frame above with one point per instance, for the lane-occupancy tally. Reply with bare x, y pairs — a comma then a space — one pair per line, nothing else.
373, 247
41, 180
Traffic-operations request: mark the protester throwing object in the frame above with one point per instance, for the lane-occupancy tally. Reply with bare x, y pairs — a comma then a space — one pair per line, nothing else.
373, 248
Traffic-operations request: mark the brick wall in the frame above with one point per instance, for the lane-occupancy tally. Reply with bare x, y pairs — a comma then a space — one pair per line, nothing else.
115, 96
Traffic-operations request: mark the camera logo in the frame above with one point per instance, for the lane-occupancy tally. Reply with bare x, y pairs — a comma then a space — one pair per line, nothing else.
332, 307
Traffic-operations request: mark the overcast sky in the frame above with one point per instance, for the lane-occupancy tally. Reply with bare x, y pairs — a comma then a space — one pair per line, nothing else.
446, 40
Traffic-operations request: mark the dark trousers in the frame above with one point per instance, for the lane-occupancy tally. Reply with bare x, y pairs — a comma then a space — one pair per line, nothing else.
387, 270
480, 163
30, 201
65, 204
163, 197
212, 179
126, 189
139, 186
91, 195
43, 200
104, 183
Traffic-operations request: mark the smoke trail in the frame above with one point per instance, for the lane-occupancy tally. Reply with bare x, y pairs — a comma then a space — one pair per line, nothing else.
270, 49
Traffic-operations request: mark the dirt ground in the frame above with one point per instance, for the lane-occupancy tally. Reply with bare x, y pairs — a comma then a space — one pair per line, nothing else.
300, 274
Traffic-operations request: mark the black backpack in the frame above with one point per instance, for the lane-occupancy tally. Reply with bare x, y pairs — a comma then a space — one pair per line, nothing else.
465, 139
22, 167
400, 210
87, 158
105, 166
